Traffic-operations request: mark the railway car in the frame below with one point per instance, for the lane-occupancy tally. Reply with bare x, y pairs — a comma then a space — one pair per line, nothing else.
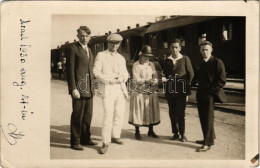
226, 33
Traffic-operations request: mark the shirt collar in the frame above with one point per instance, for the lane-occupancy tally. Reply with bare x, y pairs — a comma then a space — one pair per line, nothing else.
83, 46
178, 57
207, 59
112, 53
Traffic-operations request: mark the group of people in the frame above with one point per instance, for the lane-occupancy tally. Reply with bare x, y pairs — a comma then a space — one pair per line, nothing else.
109, 68
61, 68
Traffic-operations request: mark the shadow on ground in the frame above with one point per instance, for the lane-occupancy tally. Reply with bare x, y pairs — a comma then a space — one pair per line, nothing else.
60, 137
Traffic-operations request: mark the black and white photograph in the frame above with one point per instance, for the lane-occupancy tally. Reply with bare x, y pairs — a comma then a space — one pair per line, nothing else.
181, 82
129, 84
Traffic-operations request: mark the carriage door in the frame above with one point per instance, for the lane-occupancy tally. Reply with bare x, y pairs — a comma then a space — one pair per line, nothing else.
135, 47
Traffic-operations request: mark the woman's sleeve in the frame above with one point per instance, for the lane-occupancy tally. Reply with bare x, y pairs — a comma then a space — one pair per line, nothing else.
155, 74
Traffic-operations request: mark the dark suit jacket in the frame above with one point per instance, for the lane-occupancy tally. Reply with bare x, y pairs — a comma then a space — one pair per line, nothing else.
212, 78
179, 77
80, 70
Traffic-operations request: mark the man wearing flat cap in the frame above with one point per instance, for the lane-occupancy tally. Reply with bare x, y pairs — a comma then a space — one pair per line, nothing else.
110, 70
79, 77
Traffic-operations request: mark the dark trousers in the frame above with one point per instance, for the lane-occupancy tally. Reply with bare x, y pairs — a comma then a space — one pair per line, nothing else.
177, 113
206, 115
81, 120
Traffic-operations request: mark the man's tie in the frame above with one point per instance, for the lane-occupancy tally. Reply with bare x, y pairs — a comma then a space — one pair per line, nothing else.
86, 49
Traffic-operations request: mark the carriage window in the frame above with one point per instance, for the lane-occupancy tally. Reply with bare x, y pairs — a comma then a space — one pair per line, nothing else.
127, 46
123, 45
105, 46
153, 41
164, 39
227, 32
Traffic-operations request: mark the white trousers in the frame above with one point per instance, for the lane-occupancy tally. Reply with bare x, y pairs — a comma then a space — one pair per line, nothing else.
114, 109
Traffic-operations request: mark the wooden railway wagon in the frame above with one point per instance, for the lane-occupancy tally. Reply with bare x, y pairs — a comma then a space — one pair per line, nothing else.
226, 33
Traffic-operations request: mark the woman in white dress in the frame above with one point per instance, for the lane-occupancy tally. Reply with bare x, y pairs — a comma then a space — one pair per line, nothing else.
144, 103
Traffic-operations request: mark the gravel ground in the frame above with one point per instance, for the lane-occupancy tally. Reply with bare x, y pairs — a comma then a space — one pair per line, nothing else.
229, 127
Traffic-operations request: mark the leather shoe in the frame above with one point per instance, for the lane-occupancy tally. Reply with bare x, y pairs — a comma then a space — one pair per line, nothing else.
200, 142
203, 148
103, 149
183, 138
152, 134
91, 143
174, 137
77, 147
117, 141
138, 136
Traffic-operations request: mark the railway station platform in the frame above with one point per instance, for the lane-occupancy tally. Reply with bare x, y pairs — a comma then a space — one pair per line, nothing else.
234, 90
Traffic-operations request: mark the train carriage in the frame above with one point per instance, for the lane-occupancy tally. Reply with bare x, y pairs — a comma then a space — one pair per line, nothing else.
226, 33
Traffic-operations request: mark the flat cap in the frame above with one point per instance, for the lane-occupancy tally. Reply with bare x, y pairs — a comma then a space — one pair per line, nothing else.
114, 38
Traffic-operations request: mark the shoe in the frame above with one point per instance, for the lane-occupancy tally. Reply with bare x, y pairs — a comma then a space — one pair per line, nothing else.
174, 137
103, 149
203, 148
152, 134
77, 147
138, 136
91, 143
183, 138
117, 141
200, 142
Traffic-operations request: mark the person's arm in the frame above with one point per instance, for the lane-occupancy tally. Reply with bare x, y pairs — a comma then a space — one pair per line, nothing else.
71, 73
189, 70
154, 81
220, 78
123, 72
159, 67
71, 58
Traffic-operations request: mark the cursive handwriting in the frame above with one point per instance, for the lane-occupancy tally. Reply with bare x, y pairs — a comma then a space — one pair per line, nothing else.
23, 28
22, 83
12, 135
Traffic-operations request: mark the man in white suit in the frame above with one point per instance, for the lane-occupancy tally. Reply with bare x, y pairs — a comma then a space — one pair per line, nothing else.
110, 69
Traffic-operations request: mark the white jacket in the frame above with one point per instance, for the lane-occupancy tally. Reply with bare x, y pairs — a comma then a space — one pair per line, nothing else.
104, 70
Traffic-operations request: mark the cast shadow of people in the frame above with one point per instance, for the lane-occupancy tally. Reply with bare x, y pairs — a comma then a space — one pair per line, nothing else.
60, 136
130, 134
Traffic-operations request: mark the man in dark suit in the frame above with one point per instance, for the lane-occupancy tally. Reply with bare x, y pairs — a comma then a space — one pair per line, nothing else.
79, 77
212, 79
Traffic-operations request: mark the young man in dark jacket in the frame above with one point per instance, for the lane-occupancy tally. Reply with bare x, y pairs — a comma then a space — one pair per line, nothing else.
179, 74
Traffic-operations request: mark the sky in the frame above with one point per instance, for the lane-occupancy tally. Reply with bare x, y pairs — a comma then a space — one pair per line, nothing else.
64, 27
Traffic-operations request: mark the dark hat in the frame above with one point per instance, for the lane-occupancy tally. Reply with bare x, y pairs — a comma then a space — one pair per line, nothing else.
114, 38
146, 51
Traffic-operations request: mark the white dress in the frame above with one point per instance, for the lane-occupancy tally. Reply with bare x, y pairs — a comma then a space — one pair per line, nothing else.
144, 103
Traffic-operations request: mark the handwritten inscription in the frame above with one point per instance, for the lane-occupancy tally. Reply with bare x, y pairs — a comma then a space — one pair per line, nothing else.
22, 82
12, 135
24, 102
24, 52
23, 28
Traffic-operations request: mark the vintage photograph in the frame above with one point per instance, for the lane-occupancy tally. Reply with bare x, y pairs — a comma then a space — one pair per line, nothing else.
147, 87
